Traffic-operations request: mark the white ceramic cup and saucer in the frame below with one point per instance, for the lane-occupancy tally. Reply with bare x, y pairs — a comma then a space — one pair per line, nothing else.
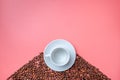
59, 55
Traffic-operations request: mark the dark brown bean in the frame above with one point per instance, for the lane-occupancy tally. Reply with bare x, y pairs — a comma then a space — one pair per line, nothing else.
36, 69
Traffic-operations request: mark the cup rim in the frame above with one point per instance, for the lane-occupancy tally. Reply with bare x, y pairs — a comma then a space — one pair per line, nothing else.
65, 62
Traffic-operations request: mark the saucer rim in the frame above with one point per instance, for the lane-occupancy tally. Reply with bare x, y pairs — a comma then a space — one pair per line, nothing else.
67, 46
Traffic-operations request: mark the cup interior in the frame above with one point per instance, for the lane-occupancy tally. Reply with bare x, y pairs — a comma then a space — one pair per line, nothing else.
60, 56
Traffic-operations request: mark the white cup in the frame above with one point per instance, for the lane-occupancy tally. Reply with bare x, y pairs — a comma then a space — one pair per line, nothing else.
59, 56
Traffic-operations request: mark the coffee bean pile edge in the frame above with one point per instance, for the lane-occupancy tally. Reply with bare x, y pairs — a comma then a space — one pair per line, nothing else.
36, 69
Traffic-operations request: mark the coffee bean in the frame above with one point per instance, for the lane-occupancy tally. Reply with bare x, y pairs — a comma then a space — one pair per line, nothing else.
36, 69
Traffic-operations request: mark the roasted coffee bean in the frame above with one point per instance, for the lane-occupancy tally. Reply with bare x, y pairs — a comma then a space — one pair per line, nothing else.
36, 69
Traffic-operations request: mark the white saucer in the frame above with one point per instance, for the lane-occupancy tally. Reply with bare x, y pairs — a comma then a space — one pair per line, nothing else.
67, 46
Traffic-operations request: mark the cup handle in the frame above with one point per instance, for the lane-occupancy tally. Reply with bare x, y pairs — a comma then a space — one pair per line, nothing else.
47, 56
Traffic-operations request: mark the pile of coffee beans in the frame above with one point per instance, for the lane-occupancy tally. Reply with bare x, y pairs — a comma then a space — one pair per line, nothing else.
36, 69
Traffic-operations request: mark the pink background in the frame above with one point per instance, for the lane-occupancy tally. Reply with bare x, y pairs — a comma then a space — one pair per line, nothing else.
93, 27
